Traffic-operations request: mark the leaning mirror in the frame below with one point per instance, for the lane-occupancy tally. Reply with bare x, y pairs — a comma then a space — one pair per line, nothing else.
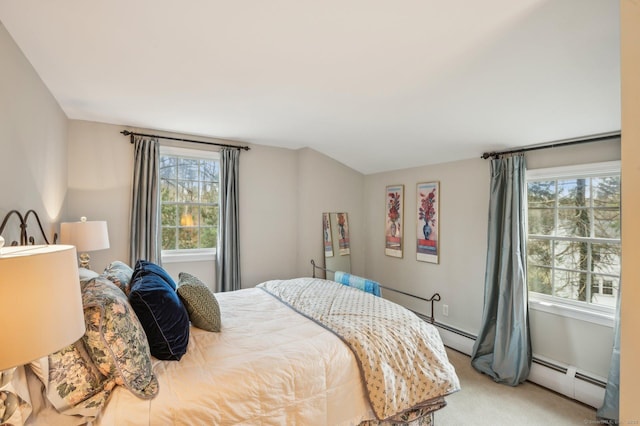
337, 246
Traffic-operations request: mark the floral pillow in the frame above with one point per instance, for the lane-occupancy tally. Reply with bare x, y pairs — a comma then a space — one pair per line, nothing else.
73, 385
115, 339
120, 274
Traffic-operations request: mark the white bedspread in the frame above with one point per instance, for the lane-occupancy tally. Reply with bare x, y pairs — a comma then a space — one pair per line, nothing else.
268, 366
402, 358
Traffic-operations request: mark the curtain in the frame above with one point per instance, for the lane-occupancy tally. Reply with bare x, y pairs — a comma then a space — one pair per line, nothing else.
145, 210
503, 347
228, 267
610, 406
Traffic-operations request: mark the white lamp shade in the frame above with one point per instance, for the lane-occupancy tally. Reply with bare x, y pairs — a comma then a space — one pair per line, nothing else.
40, 302
86, 236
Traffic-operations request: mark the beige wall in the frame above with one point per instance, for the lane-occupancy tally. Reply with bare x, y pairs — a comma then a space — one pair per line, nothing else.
282, 195
464, 189
268, 214
630, 341
100, 179
326, 185
100, 162
459, 277
33, 143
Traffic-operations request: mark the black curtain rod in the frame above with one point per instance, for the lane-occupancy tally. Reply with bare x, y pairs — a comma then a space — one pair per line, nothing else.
132, 134
556, 144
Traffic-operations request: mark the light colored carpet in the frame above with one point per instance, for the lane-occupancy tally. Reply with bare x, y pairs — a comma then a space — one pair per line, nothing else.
484, 402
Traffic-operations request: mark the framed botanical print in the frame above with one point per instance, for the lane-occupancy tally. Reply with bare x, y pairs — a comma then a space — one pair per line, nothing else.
394, 220
427, 205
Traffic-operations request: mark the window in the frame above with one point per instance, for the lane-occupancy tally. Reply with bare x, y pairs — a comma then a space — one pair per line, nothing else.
573, 242
189, 199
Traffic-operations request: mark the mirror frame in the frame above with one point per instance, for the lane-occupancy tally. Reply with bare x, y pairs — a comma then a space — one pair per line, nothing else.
336, 243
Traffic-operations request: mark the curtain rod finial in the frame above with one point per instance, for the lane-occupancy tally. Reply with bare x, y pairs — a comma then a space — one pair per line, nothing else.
128, 133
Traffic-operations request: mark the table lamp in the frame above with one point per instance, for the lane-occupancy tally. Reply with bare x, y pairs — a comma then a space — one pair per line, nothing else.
86, 236
40, 307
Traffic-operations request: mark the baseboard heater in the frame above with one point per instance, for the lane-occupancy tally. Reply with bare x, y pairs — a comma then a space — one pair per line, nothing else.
563, 379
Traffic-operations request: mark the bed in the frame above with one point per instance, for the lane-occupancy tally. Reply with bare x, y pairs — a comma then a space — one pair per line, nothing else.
302, 351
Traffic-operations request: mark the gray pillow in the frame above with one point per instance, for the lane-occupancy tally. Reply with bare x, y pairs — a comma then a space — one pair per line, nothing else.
86, 275
201, 303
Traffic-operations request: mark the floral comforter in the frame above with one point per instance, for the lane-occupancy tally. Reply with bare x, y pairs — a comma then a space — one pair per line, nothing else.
402, 359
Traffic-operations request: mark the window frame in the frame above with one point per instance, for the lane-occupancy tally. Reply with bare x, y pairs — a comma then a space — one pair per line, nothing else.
598, 314
196, 254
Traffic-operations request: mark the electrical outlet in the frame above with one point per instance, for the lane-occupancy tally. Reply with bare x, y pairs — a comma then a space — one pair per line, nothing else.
445, 310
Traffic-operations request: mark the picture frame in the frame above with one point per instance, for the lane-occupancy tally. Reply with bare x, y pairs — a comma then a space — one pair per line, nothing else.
394, 220
428, 222
326, 231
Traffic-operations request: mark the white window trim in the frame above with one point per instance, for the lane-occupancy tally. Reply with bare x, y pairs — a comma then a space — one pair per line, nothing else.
188, 255
579, 170
192, 255
189, 152
551, 305
600, 315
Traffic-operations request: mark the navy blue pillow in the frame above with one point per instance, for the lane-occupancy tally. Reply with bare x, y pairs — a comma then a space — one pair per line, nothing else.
163, 316
144, 267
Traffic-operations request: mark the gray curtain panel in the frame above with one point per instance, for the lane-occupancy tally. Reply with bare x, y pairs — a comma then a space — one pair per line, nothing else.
611, 405
228, 267
503, 347
145, 204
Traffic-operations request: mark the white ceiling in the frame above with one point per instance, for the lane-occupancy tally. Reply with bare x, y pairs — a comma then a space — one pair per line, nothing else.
377, 85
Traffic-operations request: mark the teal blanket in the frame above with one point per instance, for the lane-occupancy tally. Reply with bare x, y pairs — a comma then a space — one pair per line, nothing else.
357, 282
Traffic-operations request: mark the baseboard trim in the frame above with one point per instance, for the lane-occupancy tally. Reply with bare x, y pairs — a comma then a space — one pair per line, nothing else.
567, 380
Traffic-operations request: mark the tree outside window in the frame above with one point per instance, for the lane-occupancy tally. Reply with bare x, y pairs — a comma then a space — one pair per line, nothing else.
573, 244
189, 202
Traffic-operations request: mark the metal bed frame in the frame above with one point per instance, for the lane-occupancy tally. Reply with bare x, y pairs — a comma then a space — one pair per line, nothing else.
26, 239
432, 299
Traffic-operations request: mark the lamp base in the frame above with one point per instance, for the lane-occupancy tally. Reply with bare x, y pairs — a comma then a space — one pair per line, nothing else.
84, 260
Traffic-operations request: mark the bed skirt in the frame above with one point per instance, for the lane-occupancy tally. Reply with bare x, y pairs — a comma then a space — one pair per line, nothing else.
422, 420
